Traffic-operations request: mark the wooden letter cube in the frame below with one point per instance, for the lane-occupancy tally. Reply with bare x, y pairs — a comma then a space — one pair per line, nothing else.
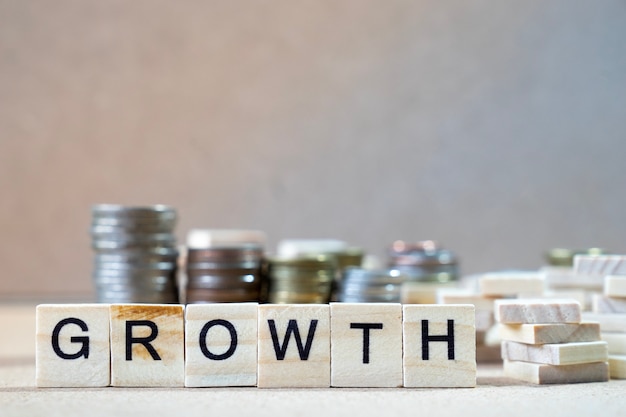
147, 345
294, 345
221, 344
366, 344
439, 346
73, 347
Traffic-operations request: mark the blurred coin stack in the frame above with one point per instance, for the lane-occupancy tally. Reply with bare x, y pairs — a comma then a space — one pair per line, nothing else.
224, 266
301, 279
344, 256
371, 286
135, 253
424, 261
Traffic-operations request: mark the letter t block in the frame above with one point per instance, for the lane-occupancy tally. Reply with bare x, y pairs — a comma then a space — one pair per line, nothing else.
439, 345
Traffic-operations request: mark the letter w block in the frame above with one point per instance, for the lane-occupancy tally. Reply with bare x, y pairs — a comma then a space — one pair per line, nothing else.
294, 345
439, 345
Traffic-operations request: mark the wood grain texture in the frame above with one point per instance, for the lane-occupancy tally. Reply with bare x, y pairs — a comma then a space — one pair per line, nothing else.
158, 361
603, 304
538, 334
85, 351
536, 373
230, 339
600, 265
556, 354
439, 345
366, 344
304, 364
608, 322
537, 311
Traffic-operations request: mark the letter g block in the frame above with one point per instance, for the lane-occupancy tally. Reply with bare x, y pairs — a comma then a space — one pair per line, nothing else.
73, 347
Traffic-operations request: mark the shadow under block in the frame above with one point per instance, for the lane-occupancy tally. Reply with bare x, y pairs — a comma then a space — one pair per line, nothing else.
511, 283
539, 334
72, 347
556, 354
537, 373
537, 311
294, 345
616, 341
147, 345
221, 344
602, 304
366, 345
439, 346
617, 366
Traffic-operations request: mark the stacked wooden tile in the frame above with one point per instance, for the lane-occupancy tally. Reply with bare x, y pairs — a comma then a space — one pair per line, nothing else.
545, 342
491, 287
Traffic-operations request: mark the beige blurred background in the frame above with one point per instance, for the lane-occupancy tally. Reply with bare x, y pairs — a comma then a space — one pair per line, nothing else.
495, 127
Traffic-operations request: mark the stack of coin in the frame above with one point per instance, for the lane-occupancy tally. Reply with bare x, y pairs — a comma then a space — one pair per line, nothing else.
424, 261
135, 253
224, 266
371, 286
565, 257
300, 280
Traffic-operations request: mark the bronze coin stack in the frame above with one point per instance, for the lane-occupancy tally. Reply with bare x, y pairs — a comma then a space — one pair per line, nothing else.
424, 261
221, 268
135, 253
303, 279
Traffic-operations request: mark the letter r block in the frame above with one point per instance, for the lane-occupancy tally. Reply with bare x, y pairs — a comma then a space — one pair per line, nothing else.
72, 345
221, 344
439, 345
294, 346
147, 345
366, 344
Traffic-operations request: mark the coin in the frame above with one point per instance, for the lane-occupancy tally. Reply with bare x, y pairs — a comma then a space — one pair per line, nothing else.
300, 279
424, 261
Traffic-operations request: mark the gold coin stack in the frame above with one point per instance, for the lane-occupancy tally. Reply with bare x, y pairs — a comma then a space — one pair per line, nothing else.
300, 280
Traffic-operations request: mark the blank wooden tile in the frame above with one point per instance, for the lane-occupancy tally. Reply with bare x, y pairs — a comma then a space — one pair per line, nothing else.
294, 345
481, 302
602, 304
147, 345
439, 346
484, 320
537, 373
537, 311
616, 341
221, 344
511, 283
415, 292
72, 347
599, 265
615, 286
539, 334
366, 344
617, 366
556, 354
608, 322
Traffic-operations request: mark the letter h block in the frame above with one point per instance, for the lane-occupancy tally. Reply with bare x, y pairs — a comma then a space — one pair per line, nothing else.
439, 345
294, 346
72, 345
147, 345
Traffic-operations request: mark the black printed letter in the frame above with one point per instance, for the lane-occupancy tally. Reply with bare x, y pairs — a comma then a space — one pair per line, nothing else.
145, 341
84, 350
366, 336
292, 327
233, 340
426, 338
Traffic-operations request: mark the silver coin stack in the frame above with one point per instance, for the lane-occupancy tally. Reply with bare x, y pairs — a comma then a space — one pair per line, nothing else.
135, 253
371, 286
424, 261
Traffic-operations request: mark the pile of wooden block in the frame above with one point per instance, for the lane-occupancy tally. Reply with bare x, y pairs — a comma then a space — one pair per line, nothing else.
492, 287
545, 342
246, 344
